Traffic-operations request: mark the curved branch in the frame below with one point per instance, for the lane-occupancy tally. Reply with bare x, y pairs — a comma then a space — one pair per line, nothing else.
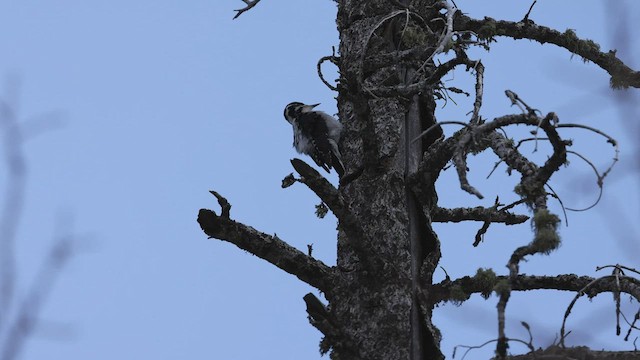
334, 60
622, 76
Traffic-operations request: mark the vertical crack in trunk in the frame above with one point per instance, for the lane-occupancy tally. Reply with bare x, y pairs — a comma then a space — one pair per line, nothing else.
422, 240
415, 231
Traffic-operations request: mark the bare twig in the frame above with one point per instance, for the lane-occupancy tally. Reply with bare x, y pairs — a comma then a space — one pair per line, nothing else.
435, 126
250, 4
555, 195
445, 37
224, 204
526, 17
475, 118
610, 140
516, 100
569, 282
632, 325
473, 347
460, 162
528, 328
483, 230
334, 60
599, 181
598, 268
443, 69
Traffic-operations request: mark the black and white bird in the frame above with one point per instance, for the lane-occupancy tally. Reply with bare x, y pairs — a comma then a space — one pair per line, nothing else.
316, 134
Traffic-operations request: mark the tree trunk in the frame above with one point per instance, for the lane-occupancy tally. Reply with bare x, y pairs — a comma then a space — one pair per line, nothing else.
377, 303
381, 294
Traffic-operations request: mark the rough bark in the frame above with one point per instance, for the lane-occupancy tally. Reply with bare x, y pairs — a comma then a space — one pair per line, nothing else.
380, 293
379, 305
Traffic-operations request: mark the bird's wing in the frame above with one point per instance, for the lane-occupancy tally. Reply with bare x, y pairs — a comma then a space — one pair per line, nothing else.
312, 125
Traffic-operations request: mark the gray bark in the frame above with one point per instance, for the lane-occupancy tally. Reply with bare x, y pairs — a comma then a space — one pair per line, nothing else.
378, 304
381, 294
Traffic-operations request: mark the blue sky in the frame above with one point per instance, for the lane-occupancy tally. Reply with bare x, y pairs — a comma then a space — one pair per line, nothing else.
158, 102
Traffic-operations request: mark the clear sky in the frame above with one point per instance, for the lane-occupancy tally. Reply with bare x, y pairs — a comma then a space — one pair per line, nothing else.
160, 101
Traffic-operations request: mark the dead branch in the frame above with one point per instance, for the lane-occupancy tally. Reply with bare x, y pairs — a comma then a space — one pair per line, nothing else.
320, 317
526, 17
478, 213
440, 292
479, 68
460, 162
621, 75
334, 60
250, 5
616, 278
443, 69
445, 37
330, 196
473, 347
267, 247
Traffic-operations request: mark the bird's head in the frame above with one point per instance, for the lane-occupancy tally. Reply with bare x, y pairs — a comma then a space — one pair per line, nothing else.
294, 109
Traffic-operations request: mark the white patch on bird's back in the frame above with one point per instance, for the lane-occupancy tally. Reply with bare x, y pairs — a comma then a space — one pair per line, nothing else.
334, 127
302, 144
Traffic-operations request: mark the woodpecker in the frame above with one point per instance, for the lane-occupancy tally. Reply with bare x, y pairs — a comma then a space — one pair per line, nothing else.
316, 134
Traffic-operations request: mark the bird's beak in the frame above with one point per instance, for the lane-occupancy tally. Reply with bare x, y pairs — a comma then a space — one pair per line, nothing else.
314, 105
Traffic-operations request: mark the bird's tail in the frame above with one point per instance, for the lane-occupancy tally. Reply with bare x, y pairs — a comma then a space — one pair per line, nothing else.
336, 158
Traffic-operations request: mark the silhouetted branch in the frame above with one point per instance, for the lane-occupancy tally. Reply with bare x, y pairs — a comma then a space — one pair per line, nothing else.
267, 247
330, 196
476, 214
474, 347
616, 278
322, 320
334, 60
250, 4
470, 285
621, 75
479, 68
